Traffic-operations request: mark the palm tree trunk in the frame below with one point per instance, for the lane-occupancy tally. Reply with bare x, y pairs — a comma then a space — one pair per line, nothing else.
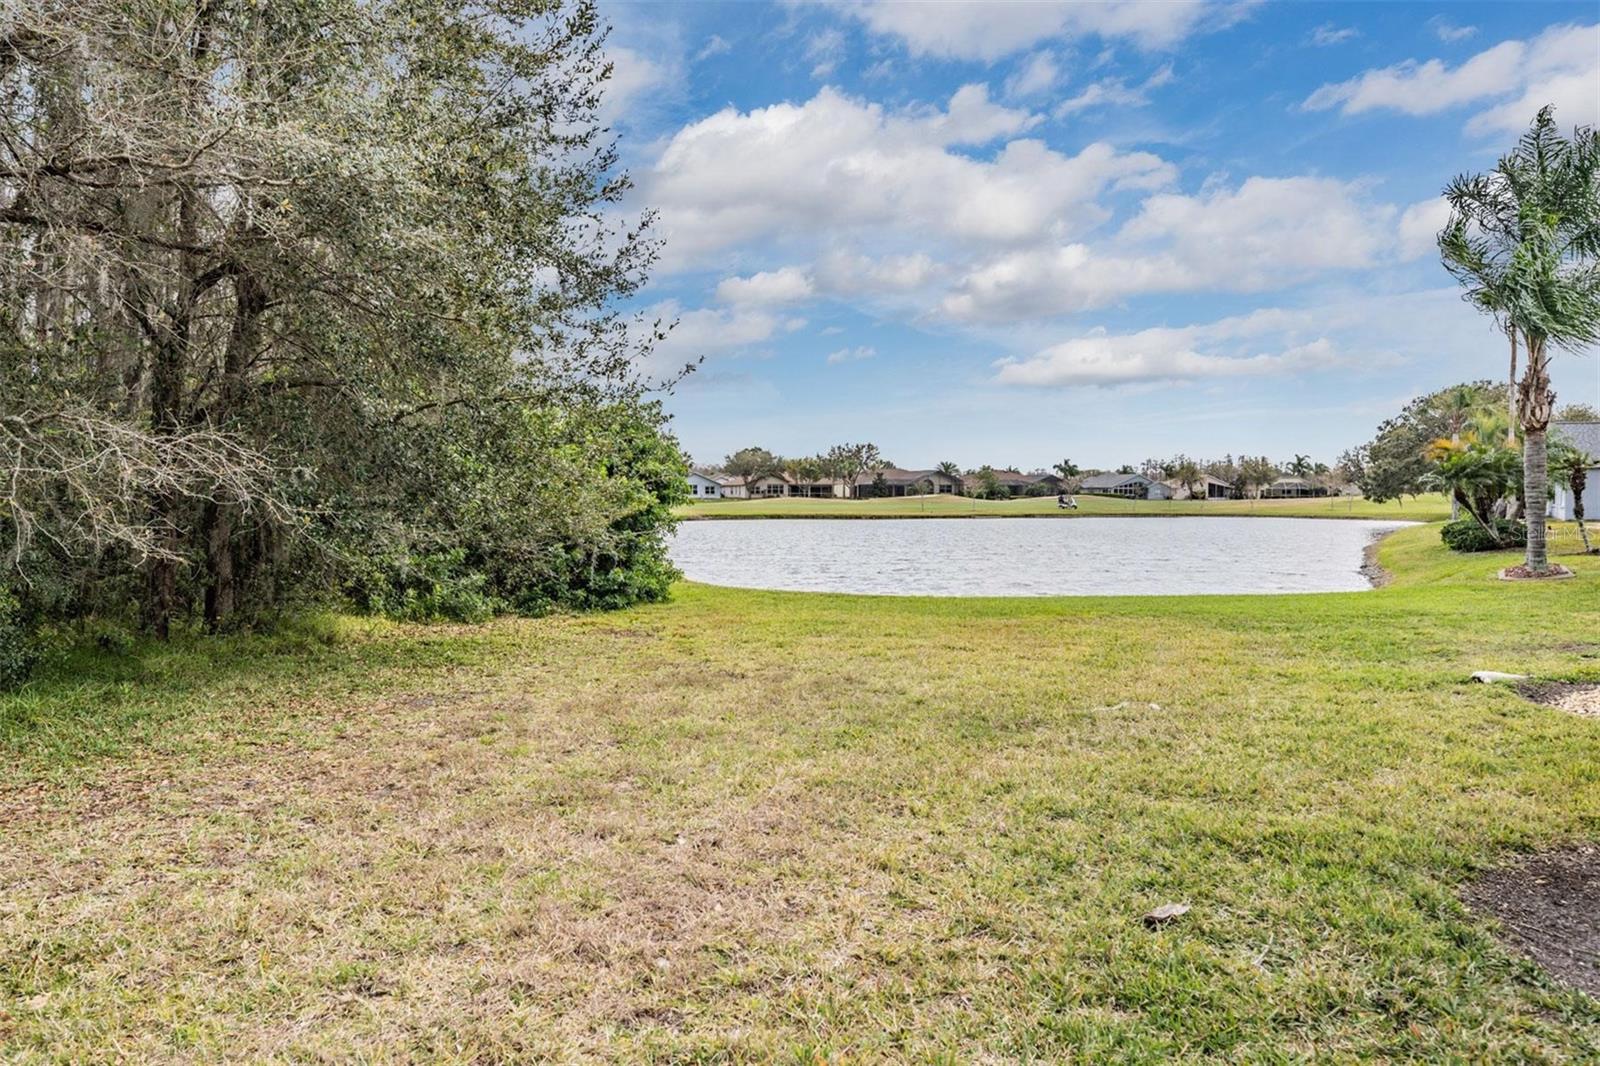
1580, 478
1511, 391
1535, 475
1534, 402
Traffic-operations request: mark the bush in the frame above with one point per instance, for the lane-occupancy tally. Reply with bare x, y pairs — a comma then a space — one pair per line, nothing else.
19, 649
425, 587
1467, 535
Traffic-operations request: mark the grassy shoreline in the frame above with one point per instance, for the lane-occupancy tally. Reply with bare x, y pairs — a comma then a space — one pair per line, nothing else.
750, 826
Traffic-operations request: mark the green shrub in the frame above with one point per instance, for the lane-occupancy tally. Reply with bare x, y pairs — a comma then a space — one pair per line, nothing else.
425, 587
1467, 535
19, 649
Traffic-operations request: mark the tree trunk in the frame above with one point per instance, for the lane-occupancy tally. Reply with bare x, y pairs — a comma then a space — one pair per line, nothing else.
1534, 403
1534, 480
220, 592
1511, 391
1580, 479
166, 397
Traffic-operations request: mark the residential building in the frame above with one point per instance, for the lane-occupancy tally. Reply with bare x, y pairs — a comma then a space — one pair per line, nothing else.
1291, 488
1014, 482
1585, 436
705, 486
897, 482
1131, 486
1210, 488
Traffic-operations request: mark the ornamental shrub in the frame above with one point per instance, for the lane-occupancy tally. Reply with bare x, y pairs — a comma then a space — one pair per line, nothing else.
1467, 535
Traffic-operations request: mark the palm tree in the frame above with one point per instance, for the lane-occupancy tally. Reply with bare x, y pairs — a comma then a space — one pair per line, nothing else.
1466, 407
1524, 240
1570, 467
1475, 475
1462, 408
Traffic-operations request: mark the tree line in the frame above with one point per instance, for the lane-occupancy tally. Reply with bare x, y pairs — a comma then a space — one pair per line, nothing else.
846, 463
314, 298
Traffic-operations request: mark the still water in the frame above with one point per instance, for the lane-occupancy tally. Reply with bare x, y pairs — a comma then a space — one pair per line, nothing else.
1030, 556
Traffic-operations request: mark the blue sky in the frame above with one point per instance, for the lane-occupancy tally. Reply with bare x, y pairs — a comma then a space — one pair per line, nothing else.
1010, 234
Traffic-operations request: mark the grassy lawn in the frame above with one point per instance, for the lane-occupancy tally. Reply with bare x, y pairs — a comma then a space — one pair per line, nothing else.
752, 826
1427, 508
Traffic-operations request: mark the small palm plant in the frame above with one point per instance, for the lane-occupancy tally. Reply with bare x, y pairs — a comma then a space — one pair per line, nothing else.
1475, 475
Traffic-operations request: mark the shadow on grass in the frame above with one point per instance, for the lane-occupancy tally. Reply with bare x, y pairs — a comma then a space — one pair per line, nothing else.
89, 701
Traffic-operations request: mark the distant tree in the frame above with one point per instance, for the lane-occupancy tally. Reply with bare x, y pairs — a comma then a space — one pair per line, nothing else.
988, 483
1394, 463
1256, 472
1127, 469
1578, 412
1472, 405
1067, 469
849, 461
1302, 467
1225, 469
752, 464
949, 469
1184, 470
1524, 242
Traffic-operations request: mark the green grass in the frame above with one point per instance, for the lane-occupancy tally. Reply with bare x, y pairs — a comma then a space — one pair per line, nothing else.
775, 826
1428, 508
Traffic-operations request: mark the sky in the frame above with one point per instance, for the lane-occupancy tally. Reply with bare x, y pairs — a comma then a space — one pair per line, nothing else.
1017, 233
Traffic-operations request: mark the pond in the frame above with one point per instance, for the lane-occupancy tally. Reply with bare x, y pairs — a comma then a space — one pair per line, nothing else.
1030, 556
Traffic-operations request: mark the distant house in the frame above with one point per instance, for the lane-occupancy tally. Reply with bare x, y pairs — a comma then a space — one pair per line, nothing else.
785, 485
1292, 488
1212, 488
705, 486
1015, 482
1131, 486
898, 482
1585, 436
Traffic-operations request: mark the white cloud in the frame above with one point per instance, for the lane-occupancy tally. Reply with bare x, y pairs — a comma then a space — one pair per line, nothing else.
825, 50
634, 75
1038, 73
848, 274
1329, 34
851, 355
1114, 92
767, 288
838, 167
1448, 32
1267, 233
1151, 355
979, 29
1561, 66
1366, 332
712, 332
1420, 225
715, 45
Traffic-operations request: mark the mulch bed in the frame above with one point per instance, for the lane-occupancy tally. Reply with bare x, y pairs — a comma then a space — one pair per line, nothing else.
1549, 910
1579, 699
1522, 573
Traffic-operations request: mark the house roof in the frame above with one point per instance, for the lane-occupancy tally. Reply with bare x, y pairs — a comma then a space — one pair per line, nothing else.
1585, 436
1111, 481
896, 476
1291, 481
